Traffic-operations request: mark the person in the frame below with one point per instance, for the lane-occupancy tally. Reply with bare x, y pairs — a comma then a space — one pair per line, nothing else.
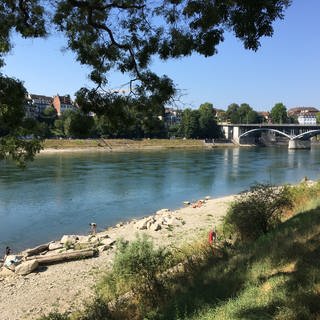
10, 261
7, 252
212, 238
93, 228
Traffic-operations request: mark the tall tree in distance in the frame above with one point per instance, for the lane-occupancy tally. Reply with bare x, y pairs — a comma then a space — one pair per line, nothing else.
189, 127
207, 124
247, 114
232, 113
279, 113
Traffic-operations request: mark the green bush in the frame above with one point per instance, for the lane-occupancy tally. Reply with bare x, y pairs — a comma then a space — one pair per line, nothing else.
55, 316
136, 268
95, 310
257, 211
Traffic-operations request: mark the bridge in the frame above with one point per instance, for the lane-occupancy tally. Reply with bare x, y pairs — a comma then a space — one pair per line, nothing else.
297, 135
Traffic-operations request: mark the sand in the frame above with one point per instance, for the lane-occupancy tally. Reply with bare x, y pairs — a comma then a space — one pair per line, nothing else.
66, 286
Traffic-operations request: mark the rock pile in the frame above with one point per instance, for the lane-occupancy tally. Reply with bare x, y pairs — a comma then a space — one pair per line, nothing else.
162, 218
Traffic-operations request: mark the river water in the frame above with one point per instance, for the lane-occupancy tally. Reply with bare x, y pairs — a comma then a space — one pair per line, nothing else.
62, 193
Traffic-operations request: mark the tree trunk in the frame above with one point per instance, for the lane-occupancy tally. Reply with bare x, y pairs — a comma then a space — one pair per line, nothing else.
61, 257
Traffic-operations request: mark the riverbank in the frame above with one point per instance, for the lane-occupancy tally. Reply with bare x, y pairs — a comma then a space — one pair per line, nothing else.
65, 287
120, 145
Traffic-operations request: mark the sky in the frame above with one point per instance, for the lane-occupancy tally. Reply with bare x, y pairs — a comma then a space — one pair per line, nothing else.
286, 68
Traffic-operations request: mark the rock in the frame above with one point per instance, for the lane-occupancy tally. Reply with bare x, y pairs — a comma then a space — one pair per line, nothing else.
5, 272
71, 239
103, 235
172, 221
103, 248
83, 239
26, 267
155, 227
55, 246
142, 224
149, 224
108, 242
162, 211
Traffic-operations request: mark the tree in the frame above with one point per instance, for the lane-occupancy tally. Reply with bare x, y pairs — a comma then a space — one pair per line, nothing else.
78, 125
190, 124
17, 140
232, 113
124, 36
207, 124
279, 113
48, 115
247, 114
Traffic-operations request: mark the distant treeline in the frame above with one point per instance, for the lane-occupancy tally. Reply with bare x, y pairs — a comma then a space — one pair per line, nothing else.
133, 123
200, 123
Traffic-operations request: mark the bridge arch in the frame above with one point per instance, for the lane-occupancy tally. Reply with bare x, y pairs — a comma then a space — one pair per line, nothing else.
307, 134
267, 129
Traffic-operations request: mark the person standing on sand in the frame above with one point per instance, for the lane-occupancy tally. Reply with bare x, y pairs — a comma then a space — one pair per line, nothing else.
212, 238
7, 252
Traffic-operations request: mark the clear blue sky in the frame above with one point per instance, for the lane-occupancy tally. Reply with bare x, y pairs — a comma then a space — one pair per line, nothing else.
285, 69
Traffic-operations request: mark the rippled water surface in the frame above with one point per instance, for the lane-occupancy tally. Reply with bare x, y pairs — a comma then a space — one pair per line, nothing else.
63, 193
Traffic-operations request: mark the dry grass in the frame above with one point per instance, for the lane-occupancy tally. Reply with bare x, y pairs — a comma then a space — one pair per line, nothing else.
122, 143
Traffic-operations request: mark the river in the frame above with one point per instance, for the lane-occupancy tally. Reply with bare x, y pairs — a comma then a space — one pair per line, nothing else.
62, 193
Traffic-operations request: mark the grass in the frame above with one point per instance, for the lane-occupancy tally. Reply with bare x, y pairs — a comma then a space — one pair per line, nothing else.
275, 277
121, 143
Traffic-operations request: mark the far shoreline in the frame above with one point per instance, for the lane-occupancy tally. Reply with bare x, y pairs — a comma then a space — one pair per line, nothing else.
124, 145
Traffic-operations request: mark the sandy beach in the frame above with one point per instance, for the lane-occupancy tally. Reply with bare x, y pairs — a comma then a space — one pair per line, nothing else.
66, 286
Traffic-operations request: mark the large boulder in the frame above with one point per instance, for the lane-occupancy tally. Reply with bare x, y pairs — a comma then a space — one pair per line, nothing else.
26, 267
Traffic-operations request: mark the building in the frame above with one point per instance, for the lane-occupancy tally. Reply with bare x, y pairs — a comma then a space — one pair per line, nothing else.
41, 102
172, 116
31, 110
63, 103
305, 115
265, 116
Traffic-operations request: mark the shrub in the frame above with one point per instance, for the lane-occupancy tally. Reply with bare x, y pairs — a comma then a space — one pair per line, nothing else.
55, 316
96, 310
136, 268
256, 212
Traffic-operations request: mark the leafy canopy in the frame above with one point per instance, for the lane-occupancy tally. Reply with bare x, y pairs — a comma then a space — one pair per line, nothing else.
16, 133
279, 113
124, 36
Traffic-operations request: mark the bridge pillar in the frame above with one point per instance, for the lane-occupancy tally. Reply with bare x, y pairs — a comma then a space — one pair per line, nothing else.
299, 144
236, 134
